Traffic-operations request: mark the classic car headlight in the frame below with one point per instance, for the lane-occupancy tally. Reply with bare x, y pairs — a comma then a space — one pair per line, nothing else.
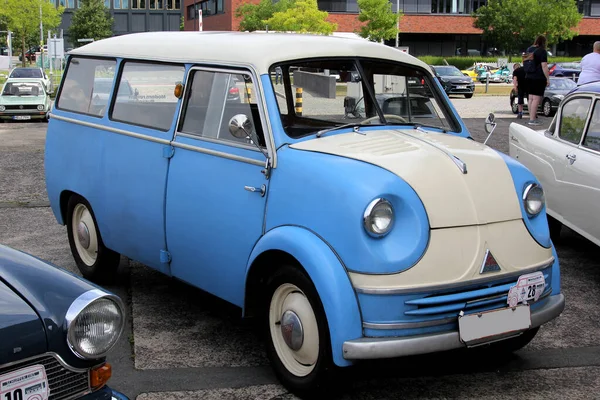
94, 323
378, 217
2, 108
533, 199
41, 107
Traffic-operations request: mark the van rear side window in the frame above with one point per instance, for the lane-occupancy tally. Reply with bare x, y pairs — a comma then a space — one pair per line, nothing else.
80, 91
146, 94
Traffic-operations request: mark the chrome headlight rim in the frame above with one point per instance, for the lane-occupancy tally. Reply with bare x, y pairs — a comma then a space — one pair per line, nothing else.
40, 107
368, 220
75, 310
2, 108
526, 193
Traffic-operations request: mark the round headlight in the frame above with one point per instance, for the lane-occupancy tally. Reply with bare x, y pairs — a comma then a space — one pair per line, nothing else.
41, 107
2, 108
533, 199
95, 328
378, 217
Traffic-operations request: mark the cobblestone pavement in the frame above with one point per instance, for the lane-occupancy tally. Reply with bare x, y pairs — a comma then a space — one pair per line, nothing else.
181, 343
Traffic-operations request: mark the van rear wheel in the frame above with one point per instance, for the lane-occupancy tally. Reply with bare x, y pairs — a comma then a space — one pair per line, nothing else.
96, 262
298, 344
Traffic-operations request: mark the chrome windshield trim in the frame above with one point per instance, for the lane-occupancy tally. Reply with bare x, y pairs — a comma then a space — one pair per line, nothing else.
218, 154
110, 129
390, 291
78, 305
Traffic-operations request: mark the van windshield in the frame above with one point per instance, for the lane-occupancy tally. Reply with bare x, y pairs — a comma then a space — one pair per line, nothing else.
316, 95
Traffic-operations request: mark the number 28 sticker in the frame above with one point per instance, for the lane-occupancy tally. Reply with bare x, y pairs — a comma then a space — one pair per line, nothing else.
528, 287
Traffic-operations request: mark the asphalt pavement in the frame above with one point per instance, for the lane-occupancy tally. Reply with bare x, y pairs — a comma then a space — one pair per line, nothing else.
181, 343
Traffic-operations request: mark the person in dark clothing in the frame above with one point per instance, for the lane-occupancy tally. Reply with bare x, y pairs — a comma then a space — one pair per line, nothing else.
520, 86
537, 77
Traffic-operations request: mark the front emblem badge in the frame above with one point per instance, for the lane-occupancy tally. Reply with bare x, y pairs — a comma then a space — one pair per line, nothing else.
489, 263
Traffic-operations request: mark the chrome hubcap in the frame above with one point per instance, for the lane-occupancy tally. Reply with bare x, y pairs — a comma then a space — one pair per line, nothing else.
291, 330
83, 234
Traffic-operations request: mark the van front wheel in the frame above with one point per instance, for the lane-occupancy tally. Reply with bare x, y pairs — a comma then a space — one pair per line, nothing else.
96, 262
298, 344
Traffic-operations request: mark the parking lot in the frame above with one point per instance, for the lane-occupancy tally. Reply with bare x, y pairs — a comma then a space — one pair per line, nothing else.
181, 343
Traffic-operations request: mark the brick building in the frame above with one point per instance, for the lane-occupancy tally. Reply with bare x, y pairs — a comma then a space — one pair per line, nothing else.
434, 27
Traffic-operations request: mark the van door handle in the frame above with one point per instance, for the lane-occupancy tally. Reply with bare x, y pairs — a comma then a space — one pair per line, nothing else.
262, 190
572, 158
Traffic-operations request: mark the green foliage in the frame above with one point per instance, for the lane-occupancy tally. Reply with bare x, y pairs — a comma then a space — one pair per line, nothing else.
254, 16
571, 128
23, 18
512, 24
91, 21
182, 24
302, 16
381, 21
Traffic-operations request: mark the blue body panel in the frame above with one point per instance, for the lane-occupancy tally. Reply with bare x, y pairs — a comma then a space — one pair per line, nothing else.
327, 274
212, 222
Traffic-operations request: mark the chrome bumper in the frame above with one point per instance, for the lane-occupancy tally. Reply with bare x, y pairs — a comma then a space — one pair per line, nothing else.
374, 348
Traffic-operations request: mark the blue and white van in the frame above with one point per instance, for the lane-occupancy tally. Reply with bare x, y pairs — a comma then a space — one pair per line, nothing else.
345, 205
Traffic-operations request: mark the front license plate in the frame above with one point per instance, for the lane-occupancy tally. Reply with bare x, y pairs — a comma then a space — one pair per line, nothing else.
461, 87
28, 383
22, 117
493, 325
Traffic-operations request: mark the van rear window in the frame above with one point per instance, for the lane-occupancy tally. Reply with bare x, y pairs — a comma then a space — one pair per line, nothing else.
80, 91
146, 94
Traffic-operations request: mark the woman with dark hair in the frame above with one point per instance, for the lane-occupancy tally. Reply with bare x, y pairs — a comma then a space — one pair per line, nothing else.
537, 76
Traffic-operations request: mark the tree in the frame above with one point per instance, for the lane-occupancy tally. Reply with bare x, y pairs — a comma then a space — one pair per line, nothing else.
511, 23
254, 16
302, 16
23, 18
91, 21
381, 21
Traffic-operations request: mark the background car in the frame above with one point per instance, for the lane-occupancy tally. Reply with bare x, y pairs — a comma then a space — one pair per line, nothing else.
24, 99
397, 104
471, 72
55, 332
453, 81
566, 69
31, 72
566, 160
553, 95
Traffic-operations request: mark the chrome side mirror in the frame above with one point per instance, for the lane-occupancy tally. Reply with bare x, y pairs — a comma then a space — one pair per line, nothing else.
240, 126
490, 125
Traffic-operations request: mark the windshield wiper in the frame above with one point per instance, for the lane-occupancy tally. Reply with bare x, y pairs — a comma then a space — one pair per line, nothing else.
418, 126
335, 128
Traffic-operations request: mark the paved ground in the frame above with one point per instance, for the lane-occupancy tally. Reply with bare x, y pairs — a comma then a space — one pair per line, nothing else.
181, 343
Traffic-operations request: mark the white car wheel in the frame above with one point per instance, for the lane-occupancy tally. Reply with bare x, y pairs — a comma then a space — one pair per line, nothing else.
85, 238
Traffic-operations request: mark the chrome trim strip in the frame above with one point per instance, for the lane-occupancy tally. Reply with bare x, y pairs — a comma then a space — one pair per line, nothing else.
110, 129
426, 324
375, 348
79, 304
220, 141
535, 268
218, 154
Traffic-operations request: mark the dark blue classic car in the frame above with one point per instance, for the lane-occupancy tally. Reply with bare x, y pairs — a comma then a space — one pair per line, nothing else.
55, 331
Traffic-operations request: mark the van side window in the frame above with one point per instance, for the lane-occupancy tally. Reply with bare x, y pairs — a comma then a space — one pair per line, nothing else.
146, 94
212, 99
80, 91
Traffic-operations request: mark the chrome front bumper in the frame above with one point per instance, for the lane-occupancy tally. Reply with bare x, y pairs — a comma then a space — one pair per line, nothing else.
374, 348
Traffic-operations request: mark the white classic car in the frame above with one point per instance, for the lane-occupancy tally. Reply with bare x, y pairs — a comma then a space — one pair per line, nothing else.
566, 160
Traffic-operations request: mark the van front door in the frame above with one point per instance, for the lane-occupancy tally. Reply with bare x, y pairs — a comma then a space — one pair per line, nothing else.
216, 193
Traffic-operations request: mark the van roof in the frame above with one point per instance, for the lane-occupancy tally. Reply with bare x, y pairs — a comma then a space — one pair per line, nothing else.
258, 49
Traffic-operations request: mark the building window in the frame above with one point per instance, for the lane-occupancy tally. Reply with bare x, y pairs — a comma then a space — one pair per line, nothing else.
191, 14
138, 4
173, 4
121, 4
156, 4
211, 7
70, 4
107, 3
333, 5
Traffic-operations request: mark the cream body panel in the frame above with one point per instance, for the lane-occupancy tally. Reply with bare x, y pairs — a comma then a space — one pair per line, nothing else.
456, 255
484, 194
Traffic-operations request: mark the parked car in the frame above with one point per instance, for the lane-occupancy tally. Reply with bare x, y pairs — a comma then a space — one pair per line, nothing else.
32, 72
453, 81
566, 69
55, 332
553, 95
415, 108
24, 99
471, 72
348, 238
30, 54
566, 160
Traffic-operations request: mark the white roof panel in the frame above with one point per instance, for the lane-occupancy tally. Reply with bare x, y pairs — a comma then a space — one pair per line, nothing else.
258, 49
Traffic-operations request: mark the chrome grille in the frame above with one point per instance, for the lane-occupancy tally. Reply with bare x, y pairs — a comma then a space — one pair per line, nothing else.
23, 107
63, 383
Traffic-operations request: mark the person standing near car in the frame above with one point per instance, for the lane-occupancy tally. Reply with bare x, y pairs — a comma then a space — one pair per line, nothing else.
519, 85
537, 76
590, 66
